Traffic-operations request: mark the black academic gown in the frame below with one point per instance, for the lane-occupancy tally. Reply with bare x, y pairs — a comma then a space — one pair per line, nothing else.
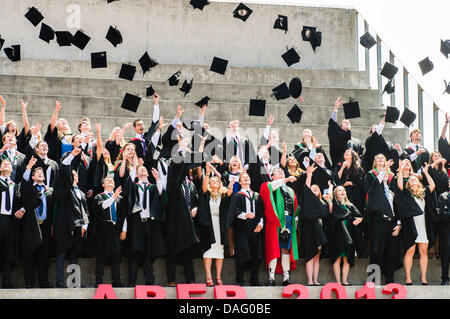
340, 141
342, 237
444, 149
248, 245
376, 144
301, 151
106, 233
230, 149
80, 164
32, 234
355, 193
157, 216
180, 226
313, 213
419, 161
205, 224
68, 209
113, 149
259, 174
19, 163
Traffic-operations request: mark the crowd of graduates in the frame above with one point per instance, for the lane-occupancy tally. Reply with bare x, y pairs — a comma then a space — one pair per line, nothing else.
177, 192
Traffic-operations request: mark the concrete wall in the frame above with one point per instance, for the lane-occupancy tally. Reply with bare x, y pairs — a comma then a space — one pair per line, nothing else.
174, 33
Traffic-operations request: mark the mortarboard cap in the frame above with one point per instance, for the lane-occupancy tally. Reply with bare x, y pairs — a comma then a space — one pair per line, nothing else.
281, 23
80, 40
295, 87
351, 110
47, 34
147, 62
13, 53
2, 41
389, 88
150, 90
291, 57
257, 107
174, 79
98, 60
186, 86
34, 16
192, 124
426, 66
218, 65
109, 1
131, 102
367, 40
114, 36
408, 117
306, 32
445, 47
281, 92
64, 38
199, 4
242, 12
127, 72
203, 101
392, 114
316, 40
389, 70
447, 86
295, 114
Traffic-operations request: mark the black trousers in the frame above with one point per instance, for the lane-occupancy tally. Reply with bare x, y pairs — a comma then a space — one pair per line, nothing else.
187, 259
72, 253
5, 246
115, 268
39, 259
253, 265
389, 245
444, 248
147, 254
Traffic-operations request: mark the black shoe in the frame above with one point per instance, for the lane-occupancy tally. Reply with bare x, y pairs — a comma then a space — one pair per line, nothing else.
271, 282
28, 286
408, 283
149, 283
287, 283
346, 285
424, 284
131, 284
45, 285
444, 282
255, 283
61, 285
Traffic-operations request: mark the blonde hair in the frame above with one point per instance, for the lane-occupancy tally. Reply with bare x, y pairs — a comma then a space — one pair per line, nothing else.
120, 157
374, 160
419, 192
221, 191
240, 163
346, 200
111, 137
411, 171
297, 171
8, 124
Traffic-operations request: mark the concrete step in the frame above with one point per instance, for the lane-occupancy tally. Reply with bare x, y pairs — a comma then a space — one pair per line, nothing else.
200, 73
222, 92
412, 292
291, 133
357, 275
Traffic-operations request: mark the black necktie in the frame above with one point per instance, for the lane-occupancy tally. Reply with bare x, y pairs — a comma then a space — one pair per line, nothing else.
187, 194
145, 196
251, 201
8, 197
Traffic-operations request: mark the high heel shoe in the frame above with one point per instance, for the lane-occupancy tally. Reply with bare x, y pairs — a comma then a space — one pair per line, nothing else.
209, 282
219, 282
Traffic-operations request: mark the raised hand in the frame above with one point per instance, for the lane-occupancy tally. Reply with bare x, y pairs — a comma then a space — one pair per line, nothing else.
155, 98
76, 151
2, 100
58, 106
24, 105
155, 174
270, 120
31, 163
338, 103
118, 192
310, 169
179, 111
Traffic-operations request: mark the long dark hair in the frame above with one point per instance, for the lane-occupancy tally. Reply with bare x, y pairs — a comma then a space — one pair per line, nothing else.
355, 168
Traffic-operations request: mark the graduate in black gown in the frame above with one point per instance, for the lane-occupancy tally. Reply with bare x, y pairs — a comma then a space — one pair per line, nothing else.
246, 214
126, 166
36, 229
309, 147
146, 213
416, 208
292, 167
260, 172
314, 211
236, 145
385, 226
50, 167
415, 151
71, 220
443, 145
340, 137
110, 211
271, 136
345, 216
182, 206
18, 160
101, 164
58, 135
444, 234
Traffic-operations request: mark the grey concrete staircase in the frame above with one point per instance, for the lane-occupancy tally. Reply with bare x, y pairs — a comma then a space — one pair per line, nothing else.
98, 95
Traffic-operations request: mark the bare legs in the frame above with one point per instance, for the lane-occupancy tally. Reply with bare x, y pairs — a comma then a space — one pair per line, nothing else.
345, 270
312, 270
423, 261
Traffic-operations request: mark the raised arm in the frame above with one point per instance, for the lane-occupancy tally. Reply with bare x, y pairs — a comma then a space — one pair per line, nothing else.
26, 124
283, 160
2, 111
122, 133
54, 118
309, 171
98, 128
430, 181
400, 176
444, 129
337, 104
205, 182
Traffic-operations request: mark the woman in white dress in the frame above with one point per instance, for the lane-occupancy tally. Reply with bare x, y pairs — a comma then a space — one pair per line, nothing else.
417, 230
213, 233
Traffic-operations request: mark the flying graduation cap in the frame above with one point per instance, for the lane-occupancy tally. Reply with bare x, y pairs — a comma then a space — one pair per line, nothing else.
281, 23
80, 39
199, 4
445, 47
114, 36
127, 72
257, 107
64, 38
34, 16
351, 110
408, 117
203, 101
295, 114
389, 88
46, 34
367, 40
392, 114
186, 86
13, 53
2, 41
426, 66
389, 70
98, 60
312, 36
291, 57
295, 87
242, 12
281, 92
218, 65
147, 62
447, 86
174, 79
131, 102
150, 90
